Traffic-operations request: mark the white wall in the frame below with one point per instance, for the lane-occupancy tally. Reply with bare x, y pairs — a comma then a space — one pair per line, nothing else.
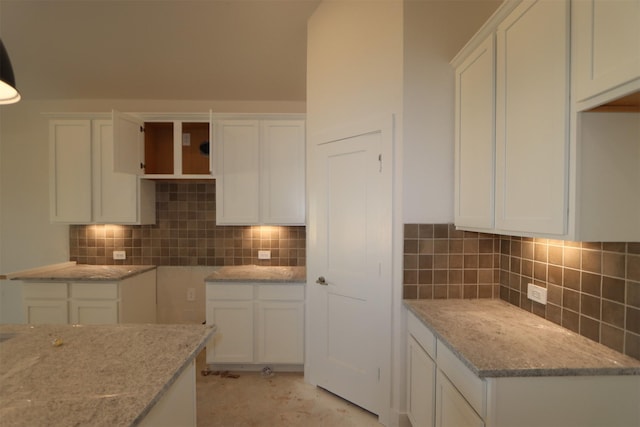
434, 31
354, 62
27, 238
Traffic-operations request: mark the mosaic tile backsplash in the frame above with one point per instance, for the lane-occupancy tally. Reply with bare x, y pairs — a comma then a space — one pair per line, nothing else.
592, 288
186, 234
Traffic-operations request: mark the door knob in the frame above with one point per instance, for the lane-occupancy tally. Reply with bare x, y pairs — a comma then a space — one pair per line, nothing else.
321, 281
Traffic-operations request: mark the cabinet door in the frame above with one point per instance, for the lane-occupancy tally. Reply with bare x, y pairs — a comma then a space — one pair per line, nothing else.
45, 311
452, 410
421, 382
237, 185
96, 312
70, 171
115, 195
280, 332
606, 38
283, 171
475, 138
128, 144
233, 340
532, 131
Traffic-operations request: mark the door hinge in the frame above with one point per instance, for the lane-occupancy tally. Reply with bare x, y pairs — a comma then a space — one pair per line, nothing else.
141, 129
380, 161
378, 374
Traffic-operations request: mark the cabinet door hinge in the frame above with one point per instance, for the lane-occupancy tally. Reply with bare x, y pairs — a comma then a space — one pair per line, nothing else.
380, 161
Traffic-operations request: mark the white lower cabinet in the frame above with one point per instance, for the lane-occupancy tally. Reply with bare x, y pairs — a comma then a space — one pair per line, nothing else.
420, 385
442, 391
233, 342
452, 410
131, 300
436, 383
257, 324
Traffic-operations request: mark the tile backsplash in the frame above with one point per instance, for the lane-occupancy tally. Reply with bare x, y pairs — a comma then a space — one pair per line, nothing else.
592, 288
186, 234
442, 262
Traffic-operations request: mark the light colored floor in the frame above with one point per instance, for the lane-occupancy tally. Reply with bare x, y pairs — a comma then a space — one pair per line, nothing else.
283, 399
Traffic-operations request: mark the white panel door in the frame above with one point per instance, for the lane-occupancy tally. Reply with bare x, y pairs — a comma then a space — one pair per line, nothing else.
238, 181
96, 312
46, 311
115, 194
350, 248
452, 410
233, 340
280, 337
475, 138
532, 126
283, 168
606, 36
128, 144
421, 385
70, 170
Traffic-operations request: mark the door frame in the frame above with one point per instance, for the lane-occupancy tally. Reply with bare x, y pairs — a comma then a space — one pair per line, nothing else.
385, 125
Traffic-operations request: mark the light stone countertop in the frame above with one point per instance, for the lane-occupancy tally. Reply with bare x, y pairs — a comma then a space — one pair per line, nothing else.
101, 375
255, 273
83, 272
496, 339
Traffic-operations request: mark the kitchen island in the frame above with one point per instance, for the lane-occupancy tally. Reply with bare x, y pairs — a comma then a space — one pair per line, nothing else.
88, 294
487, 363
99, 375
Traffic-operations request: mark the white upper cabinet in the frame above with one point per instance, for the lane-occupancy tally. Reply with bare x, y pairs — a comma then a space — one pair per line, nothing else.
83, 187
475, 137
261, 173
606, 50
283, 172
559, 170
70, 187
238, 183
532, 118
118, 198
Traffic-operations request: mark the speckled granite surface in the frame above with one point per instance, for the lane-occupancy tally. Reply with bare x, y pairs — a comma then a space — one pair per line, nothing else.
255, 273
495, 339
84, 272
101, 375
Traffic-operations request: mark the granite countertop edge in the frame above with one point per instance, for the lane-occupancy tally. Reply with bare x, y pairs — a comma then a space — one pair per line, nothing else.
518, 372
85, 273
175, 376
258, 275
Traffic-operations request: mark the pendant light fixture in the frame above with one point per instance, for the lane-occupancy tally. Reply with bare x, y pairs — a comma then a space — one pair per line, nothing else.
8, 92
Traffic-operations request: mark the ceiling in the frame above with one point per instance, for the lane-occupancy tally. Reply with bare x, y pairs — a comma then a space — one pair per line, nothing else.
158, 49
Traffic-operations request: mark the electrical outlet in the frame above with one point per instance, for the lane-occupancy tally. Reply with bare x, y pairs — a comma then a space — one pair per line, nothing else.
191, 294
119, 254
537, 293
264, 254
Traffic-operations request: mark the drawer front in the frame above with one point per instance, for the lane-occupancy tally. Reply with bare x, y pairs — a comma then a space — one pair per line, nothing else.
280, 292
468, 384
94, 290
230, 292
422, 334
44, 290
